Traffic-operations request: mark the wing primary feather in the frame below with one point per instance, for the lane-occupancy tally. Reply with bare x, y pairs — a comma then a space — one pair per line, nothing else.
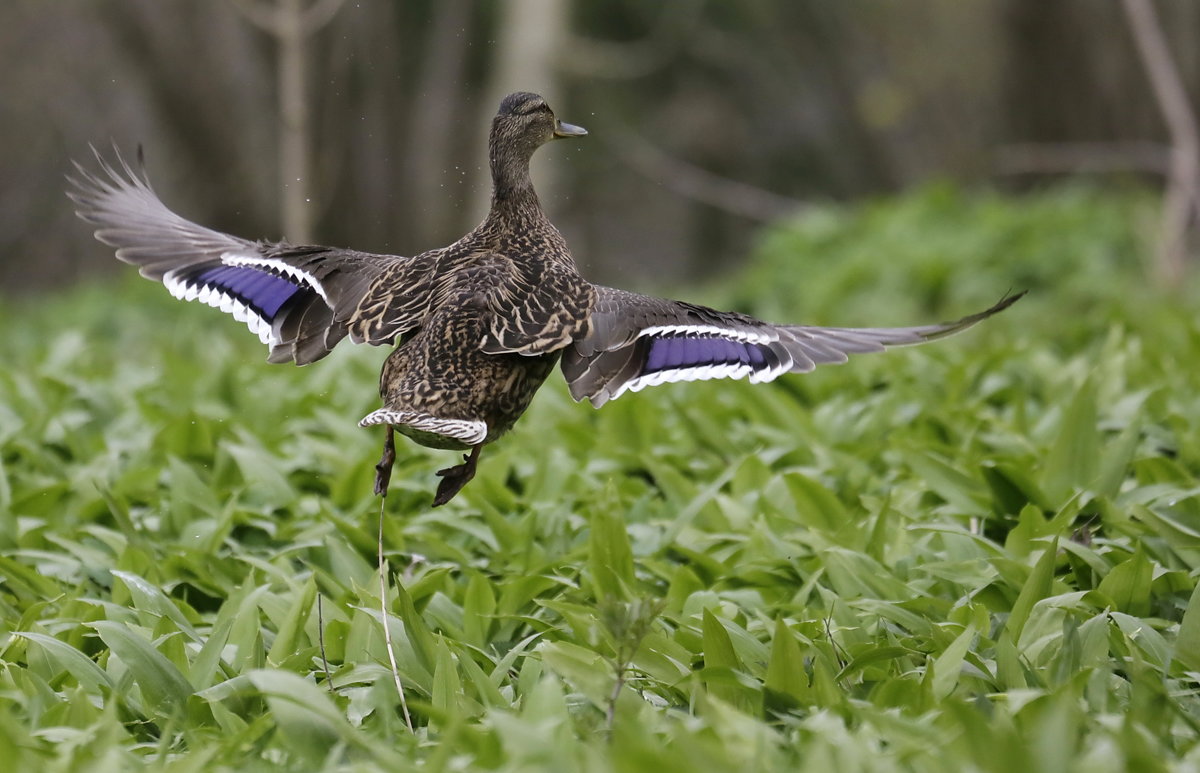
684, 342
273, 287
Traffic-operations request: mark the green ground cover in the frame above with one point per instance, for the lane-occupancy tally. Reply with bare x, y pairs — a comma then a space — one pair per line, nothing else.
978, 555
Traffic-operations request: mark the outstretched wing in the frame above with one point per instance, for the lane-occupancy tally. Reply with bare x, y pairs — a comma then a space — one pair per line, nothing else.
300, 300
635, 341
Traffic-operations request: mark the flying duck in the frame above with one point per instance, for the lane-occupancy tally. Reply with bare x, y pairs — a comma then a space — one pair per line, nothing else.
480, 323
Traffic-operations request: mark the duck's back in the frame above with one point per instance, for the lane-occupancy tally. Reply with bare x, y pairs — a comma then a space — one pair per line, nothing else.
441, 370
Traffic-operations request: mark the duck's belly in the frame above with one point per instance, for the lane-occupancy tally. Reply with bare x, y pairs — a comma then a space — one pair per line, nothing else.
448, 377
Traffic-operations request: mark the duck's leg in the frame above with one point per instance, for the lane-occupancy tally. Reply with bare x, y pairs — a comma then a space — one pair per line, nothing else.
383, 470
434, 431
454, 478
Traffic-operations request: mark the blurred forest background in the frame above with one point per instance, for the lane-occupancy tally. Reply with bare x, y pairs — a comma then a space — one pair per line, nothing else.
707, 117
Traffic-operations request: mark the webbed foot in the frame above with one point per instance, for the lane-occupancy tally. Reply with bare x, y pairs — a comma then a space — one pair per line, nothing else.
454, 478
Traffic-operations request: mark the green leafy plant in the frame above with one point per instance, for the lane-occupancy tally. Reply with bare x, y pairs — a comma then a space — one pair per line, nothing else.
980, 555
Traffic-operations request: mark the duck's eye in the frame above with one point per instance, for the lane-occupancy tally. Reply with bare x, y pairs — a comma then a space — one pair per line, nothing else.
540, 107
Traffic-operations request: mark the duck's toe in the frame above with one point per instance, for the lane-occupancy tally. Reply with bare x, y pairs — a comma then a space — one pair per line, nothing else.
454, 478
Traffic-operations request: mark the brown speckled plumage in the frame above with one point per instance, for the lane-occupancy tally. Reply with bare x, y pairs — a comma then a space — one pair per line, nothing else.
481, 322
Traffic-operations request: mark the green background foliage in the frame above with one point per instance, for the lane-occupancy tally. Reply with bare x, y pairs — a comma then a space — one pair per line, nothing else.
977, 555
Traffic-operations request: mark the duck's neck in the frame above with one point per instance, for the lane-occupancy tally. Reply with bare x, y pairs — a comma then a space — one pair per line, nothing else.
513, 195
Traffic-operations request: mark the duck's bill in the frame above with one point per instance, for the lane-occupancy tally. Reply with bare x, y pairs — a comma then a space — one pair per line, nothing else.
568, 130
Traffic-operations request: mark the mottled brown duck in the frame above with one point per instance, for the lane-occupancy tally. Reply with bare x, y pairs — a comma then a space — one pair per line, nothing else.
480, 323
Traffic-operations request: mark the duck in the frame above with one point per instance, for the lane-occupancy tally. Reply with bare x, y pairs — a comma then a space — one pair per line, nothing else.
476, 326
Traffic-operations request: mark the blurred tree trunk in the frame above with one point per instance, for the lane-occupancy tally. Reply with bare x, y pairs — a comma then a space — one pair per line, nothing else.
1180, 197
530, 37
363, 122
1075, 100
193, 68
439, 96
292, 23
295, 138
1071, 75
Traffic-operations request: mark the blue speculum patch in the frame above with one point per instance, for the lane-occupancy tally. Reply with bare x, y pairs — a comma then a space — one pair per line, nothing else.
261, 290
676, 352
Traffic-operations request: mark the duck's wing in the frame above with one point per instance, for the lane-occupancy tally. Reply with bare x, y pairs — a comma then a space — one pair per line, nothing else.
635, 341
300, 300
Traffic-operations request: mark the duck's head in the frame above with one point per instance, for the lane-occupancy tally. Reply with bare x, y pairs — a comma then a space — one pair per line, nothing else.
525, 122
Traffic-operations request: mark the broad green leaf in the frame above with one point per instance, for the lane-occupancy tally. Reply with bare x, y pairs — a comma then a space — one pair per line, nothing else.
1036, 588
1114, 463
84, 669
485, 691
585, 669
814, 504
879, 539
1074, 458
25, 580
150, 598
718, 648
1031, 526
853, 574
164, 689
1187, 642
261, 473
1128, 585
418, 633
5, 488
187, 488
245, 632
240, 606
447, 687
610, 559
1093, 642
701, 498
786, 675
478, 608
827, 692
1147, 640
226, 689
1057, 725
546, 706
683, 583
305, 713
871, 656
1014, 487
1183, 537
965, 493
722, 666
287, 638
663, 658
948, 665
